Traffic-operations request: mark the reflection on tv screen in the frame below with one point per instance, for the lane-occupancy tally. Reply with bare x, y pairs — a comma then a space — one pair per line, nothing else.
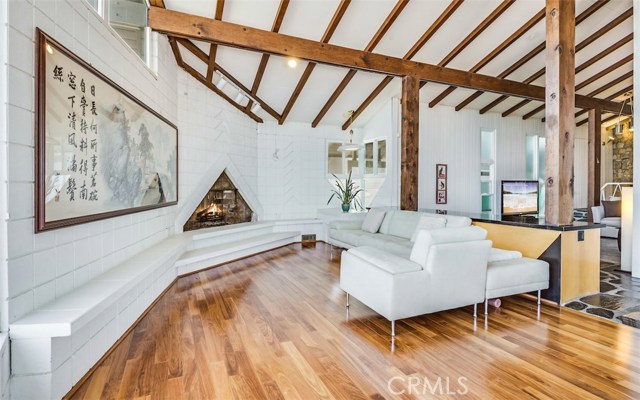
519, 197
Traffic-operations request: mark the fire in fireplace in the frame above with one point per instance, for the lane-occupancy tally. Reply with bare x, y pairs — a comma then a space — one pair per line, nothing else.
222, 205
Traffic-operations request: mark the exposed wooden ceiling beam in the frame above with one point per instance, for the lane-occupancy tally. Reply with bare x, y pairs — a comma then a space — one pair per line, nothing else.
489, 57
604, 53
428, 34
277, 23
333, 25
608, 86
196, 51
213, 49
495, 14
206, 29
391, 18
594, 78
592, 38
527, 57
203, 79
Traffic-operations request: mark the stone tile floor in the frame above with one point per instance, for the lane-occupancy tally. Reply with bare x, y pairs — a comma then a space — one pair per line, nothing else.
619, 297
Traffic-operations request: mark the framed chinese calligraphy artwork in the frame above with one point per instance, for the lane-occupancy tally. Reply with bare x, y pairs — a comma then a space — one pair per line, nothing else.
100, 151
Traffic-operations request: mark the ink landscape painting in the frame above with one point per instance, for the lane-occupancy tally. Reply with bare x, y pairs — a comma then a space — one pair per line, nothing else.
104, 152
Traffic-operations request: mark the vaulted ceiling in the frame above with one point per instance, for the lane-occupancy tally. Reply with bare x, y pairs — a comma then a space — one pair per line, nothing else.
501, 38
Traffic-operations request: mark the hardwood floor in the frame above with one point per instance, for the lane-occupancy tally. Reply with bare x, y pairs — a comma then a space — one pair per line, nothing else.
273, 327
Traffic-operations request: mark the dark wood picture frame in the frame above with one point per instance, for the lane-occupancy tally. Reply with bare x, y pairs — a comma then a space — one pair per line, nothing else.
441, 183
43, 41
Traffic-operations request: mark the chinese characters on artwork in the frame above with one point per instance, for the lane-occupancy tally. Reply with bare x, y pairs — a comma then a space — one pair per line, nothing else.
82, 136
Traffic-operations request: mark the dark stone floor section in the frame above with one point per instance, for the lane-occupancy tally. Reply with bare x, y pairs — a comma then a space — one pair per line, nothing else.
619, 297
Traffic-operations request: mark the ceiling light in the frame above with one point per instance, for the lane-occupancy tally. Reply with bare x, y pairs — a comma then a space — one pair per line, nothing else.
221, 83
256, 107
350, 146
292, 63
239, 97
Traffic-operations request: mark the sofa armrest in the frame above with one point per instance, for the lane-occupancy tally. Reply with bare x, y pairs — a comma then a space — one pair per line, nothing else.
598, 213
343, 225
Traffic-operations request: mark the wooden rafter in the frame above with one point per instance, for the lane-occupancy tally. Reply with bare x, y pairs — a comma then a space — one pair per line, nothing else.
277, 23
248, 38
586, 42
592, 79
489, 57
196, 51
333, 25
495, 14
610, 97
526, 58
173, 42
428, 34
213, 49
391, 18
608, 86
581, 85
203, 79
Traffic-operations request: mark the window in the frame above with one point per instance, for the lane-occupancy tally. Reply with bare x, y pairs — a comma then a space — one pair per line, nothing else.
341, 163
375, 157
129, 19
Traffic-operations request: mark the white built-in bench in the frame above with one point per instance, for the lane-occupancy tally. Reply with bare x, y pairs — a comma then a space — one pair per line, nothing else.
55, 345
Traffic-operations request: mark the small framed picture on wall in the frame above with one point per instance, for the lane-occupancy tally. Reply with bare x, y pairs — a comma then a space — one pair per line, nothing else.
441, 183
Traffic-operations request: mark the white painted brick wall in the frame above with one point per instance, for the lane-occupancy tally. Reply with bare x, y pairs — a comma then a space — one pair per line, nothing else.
295, 185
45, 266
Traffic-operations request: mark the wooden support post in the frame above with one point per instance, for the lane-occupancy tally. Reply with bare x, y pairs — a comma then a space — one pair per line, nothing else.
410, 143
559, 111
595, 147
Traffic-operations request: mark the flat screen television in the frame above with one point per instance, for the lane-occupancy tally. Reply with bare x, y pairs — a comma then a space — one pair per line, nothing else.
519, 197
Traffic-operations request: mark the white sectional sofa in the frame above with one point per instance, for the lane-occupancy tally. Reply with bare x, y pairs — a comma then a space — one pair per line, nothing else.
394, 235
448, 266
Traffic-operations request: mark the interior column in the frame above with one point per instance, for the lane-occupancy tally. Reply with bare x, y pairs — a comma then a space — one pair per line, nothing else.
559, 110
595, 147
410, 144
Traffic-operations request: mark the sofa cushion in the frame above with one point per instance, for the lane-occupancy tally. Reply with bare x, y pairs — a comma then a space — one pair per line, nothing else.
515, 273
373, 239
611, 221
502, 255
428, 222
426, 239
612, 208
400, 248
403, 223
385, 261
373, 220
348, 236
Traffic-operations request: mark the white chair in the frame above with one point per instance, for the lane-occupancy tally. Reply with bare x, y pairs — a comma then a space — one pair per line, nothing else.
447, 269
612, 224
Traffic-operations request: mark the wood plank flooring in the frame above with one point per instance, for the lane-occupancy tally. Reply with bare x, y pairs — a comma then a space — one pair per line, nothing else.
273, 326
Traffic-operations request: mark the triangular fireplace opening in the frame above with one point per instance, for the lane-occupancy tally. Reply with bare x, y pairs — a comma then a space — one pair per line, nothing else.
222, 205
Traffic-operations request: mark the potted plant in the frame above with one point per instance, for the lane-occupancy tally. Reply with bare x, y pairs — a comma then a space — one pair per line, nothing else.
347, 193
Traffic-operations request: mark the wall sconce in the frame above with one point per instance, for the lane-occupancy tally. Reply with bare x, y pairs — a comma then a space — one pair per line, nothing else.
609, 140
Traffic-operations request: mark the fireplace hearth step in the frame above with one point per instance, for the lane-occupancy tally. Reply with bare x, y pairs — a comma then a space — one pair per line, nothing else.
206, 257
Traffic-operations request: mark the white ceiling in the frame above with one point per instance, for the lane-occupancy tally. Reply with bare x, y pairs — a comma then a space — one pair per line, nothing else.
310, 18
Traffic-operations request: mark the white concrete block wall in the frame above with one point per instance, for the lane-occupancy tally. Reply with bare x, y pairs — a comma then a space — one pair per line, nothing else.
212, 133
45, 266
4, 340
295, 184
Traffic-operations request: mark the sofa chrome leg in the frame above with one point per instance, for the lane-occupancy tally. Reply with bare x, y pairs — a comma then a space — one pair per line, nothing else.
347, 300
486, 306
393, 329
475, 310
331, 252
539, 296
